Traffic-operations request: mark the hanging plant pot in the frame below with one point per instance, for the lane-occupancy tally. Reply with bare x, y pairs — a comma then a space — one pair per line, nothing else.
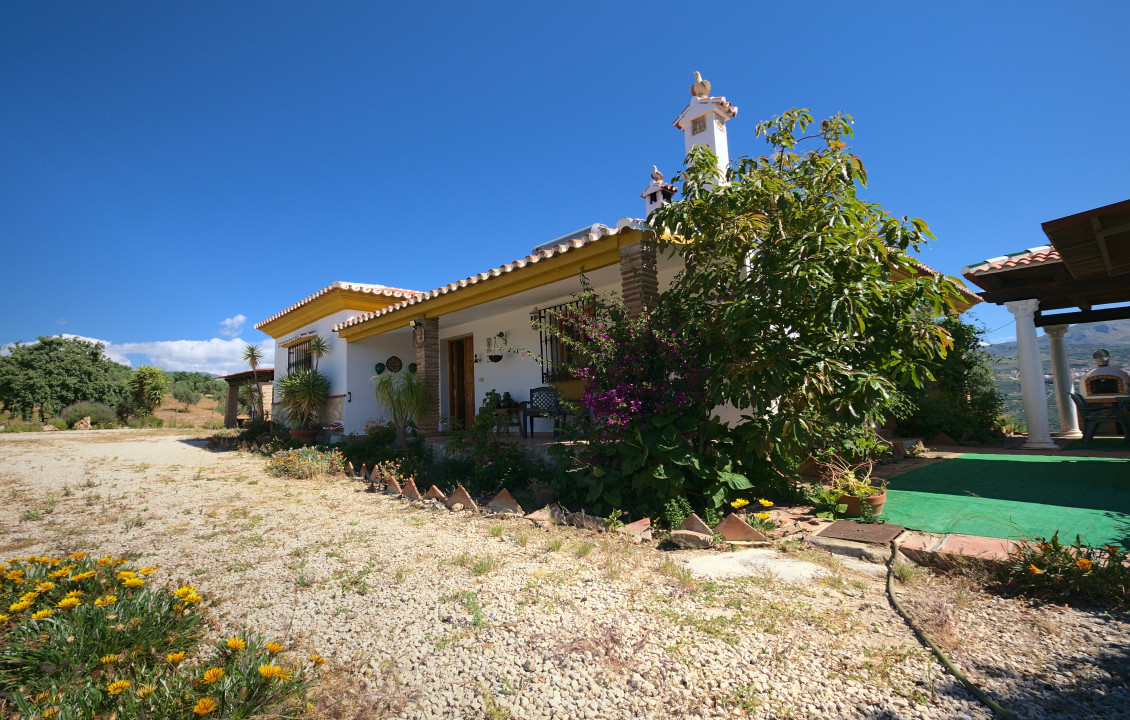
494, 358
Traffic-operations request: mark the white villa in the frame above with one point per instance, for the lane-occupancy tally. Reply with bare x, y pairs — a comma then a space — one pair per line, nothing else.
456, 335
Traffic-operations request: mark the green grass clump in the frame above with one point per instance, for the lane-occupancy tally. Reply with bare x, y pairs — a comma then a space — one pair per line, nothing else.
87, 638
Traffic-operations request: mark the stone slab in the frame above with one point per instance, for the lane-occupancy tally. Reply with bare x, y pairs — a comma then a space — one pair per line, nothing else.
875, 533
918, 546
435, 493
735, 529
755, 563
638, 530
504, 502
551, 514
863, 551
462, 497
695, 524
691, 539
975, 546
410, 490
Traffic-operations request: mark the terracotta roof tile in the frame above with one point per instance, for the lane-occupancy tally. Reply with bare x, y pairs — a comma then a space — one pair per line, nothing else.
1025, 258
541, 254
341, 285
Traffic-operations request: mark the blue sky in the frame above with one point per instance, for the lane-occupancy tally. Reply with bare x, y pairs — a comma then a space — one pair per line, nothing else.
169, 167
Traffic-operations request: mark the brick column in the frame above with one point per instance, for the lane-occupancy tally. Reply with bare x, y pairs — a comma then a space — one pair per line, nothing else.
427, 367
231, 406
639, 277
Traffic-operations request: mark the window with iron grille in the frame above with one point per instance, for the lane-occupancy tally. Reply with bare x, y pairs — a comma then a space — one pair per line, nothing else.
298, 357
552, 323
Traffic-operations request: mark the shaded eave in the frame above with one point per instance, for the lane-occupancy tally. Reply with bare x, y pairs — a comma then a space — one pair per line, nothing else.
1086, 264
340, 296
263, 375
584, 254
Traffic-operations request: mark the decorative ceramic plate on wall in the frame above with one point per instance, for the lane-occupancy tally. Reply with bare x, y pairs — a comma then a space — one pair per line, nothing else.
393, 364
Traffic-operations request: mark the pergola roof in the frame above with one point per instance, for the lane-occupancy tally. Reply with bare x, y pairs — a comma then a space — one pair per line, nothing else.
1086, 264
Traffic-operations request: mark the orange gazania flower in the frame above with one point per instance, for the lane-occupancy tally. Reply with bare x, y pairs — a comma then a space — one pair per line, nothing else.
1035, 570
212, 675
204, 706
273, 647
1083, 564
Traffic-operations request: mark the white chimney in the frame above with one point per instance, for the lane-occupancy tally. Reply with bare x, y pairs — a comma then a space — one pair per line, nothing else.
658, 192
703, 122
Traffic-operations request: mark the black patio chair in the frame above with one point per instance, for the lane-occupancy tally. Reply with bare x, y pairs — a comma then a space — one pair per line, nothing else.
1095, 415
544, 402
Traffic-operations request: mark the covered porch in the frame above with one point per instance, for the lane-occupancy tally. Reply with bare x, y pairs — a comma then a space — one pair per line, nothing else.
1082, 276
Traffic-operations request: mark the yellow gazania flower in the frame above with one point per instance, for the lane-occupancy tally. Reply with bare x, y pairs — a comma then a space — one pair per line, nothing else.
765, 503
184, 590
192, 599
212, 675
29, 597
68, 603
147, 571
179, 607
274, 672
204, 706
106, 600
118, 687
108, 659
76, 556
1083, 564
45, 586
273, 647
739, 503
175, 658
121, 561
133, 582
1035, 570
83, 576
74, 593
146, 690
126, 575
236, 643
14, 574
45, 613
50, 713
61, 572
42, 697
764, 516
104, 561
4, 618
20, 606
317, 659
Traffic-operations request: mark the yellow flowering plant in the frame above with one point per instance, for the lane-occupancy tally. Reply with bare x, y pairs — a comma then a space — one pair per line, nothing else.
1072, 573
147, 644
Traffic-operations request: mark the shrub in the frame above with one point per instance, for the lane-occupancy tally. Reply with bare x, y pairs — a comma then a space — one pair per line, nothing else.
57, 423
306, 462
85, 638
98, 413
15, 425
1075, 573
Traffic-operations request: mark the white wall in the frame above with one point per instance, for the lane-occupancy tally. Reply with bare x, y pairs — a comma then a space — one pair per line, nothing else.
362, 405
332, 365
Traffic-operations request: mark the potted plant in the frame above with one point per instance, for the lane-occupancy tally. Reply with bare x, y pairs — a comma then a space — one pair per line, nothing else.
302, 394
405, 397
853, 485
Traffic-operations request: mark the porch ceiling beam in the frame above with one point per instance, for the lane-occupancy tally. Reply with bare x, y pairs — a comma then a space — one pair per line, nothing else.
1058, 288
1084, 316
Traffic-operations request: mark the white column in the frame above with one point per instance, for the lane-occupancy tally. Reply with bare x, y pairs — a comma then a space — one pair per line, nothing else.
1031, 376
1061, 375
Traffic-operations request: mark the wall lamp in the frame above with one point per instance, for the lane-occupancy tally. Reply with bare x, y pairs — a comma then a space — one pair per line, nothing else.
417, 332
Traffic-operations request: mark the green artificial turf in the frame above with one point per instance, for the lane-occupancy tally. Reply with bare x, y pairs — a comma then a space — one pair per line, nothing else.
1016, 496
1101, 443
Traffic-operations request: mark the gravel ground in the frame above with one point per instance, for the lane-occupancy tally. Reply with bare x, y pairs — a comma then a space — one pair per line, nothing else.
430, 614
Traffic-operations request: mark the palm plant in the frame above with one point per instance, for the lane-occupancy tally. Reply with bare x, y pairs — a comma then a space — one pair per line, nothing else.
405, 397
253, 355
319, 347
303, 393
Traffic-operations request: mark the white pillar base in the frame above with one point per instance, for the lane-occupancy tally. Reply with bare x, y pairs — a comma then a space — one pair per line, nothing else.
1040, 445
1069, 435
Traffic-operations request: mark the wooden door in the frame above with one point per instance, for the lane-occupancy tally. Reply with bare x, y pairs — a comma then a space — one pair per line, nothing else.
461, 380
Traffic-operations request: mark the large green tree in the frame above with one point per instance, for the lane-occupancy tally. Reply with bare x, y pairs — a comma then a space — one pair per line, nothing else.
54, 372
148, 386
805, 295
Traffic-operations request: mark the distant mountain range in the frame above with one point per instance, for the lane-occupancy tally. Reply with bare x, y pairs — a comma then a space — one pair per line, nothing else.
1081, 341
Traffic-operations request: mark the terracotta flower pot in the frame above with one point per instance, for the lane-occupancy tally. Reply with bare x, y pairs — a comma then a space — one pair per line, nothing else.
304, 436
852, 501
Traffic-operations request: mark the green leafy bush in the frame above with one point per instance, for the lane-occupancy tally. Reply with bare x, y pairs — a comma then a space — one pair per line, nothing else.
306, 462
99, 414
1075, 573
83, 638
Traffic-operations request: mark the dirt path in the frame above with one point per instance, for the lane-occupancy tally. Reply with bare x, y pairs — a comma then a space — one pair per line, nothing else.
429, 614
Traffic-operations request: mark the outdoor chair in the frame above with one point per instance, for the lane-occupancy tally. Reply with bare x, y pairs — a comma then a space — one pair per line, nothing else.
1095, 415
544, 403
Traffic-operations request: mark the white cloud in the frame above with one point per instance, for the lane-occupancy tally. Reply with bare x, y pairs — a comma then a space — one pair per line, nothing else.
233, 326
217, 356
61, 321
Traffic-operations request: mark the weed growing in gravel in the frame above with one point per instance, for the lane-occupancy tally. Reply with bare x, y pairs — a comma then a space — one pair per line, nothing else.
522, 540
471, 604
906, 573
31, 514
486, 564
680, 575
84, 638
554, 544
583, 549
492, 710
